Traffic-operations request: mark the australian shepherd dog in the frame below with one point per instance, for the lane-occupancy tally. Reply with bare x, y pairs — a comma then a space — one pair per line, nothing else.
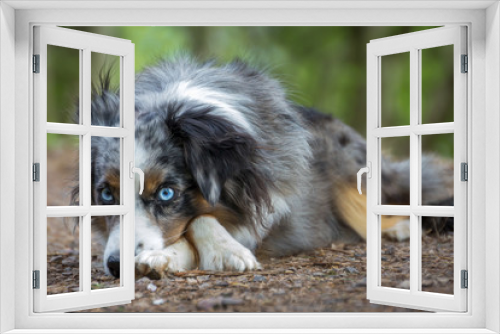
232, 166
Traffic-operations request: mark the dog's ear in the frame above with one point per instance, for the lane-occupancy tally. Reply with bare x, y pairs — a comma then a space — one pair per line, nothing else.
215, 149
105, 107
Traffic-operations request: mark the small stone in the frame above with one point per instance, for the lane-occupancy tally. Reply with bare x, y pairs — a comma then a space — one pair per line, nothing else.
352, 270
143, 279
67, 271
190, 280
443, 280
221, 283
259, 278
209, 303
151, 287
231, 301
70, 261
427, 283
389, 250
404, 285
160, 301
318, 274
57, 258
361, 283
279, 292
226, 294
203, 278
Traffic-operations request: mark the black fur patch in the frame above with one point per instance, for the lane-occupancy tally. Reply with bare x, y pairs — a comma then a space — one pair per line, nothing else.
216, 150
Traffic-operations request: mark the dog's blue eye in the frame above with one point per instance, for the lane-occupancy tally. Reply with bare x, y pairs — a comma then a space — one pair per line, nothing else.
166, 194
106, 195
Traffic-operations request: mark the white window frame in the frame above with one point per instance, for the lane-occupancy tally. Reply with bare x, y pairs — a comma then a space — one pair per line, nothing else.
85, 43
413, 44
483, 21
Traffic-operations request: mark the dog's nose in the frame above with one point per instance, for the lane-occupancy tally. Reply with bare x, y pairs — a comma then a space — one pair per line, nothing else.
114, 265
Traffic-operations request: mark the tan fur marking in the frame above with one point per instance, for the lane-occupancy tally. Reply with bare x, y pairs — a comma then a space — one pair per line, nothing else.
176, 230
113, 179
152, 180
352, 208
224, 216
390, 221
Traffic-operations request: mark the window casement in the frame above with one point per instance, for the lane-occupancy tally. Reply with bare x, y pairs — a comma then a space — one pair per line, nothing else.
482, 106
416, 44
83, 211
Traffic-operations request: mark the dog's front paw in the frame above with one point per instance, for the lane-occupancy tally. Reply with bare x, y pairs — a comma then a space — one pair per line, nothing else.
157, 262
227, 255
175, 258
398, 232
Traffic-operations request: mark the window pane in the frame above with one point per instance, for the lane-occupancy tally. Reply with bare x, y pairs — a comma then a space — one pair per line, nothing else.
437, 169
106, 176
437, 84
437, 254
395, 179
63, 262
106, 249
63, 84
105, 89
395, 95
395, 251
62, 169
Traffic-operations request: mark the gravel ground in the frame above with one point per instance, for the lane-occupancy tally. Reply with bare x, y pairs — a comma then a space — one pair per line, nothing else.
326, 280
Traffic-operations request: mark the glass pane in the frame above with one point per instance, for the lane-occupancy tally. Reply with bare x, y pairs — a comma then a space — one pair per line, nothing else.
63, 84
106, 247
437, 254
106, 171
395, 169
437, 84
105, 89
395, 95
63, 262
395, 251
62, 169
437, 169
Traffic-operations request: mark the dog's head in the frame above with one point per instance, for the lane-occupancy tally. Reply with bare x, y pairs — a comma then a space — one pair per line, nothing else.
199, 145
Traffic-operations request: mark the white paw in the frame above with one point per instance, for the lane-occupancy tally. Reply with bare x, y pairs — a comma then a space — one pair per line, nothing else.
399, 232
160, 261
227, 255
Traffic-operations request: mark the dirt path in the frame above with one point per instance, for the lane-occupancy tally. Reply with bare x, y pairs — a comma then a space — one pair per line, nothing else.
326, 280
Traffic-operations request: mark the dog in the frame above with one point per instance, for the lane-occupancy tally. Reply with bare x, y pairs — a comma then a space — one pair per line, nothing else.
232, 166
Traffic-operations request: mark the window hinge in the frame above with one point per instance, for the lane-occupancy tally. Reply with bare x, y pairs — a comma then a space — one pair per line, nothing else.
464, 168
465, 279
465, 64
36, 172
36, 279
36, 63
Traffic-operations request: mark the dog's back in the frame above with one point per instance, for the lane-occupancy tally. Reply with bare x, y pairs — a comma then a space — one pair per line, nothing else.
331, 209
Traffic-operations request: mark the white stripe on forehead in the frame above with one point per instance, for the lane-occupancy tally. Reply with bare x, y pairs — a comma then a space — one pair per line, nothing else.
209, 97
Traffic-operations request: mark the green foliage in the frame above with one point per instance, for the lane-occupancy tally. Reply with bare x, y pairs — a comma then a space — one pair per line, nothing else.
322, 67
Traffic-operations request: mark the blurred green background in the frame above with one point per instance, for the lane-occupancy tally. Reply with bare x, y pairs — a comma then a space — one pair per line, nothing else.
322, 67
